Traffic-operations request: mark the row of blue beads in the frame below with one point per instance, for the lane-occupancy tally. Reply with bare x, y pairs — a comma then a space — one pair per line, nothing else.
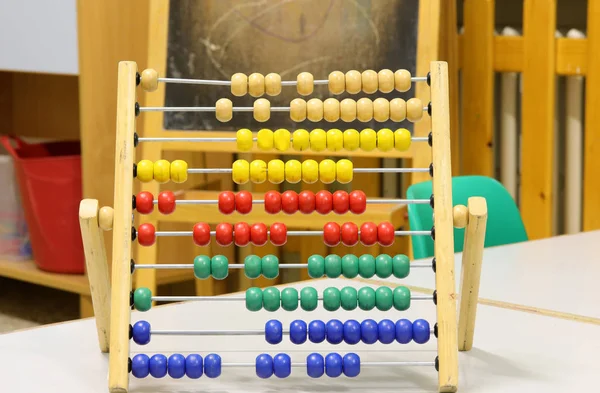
176, 366
333, 365
267, 365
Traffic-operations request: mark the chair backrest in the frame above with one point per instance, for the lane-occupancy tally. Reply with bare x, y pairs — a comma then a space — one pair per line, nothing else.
504, 224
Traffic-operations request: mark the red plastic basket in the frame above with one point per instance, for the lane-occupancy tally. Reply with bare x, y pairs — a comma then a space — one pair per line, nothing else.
49, 177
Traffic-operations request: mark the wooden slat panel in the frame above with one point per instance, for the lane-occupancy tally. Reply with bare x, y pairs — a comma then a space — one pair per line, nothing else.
508, 54
571, 56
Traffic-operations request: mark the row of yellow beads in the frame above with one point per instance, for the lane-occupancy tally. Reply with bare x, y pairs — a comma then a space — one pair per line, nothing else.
162, 171
292, 171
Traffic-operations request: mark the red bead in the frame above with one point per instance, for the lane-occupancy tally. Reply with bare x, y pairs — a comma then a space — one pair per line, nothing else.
278, 233
323, 202
227, 202
289, 202
224, 234
306, 202
144, 202
331, 234
146, 234
349, 234
341, 202
358, 202
258, 234
243, 202
368, 233
241, 233
166, 202
385, 234
201, 234
272, 202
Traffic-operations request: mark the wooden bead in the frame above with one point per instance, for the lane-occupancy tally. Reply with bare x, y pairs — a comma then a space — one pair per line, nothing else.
461, 216
273, 84
386, 80
369, 81
224, 110
305, 83
314, 110
364, 110
262, 110
239, 84
337, 82
397, 109
149, 79
414, 109
256, 84
402, 80
381, 109
106, 215
331, 109
298, 109
353, 82
348, 109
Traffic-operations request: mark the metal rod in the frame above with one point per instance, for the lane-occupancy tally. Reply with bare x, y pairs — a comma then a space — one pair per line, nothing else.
228, 83
241, 298
355, 170
291, 233
282, 265
228, 139
250, 332
261, 201
205, 109
362, 364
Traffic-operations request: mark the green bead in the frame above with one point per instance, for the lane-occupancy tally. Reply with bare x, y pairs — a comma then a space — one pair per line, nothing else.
142, 299
350, 266
331, 299
219, 266
270, 266
309, 298
333, 266
366, 298
202, 267
401, 266
271, 299
316, 266
383, 266
349, 298
252, 266
401, 298
366, 266
254, 299
289, 299
384, 299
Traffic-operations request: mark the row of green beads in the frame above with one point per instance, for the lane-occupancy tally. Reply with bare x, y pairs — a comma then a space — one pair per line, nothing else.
268, 266
351, 266
217, 267
271, 299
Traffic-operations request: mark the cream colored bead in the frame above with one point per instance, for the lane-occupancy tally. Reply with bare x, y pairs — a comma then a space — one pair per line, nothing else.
149, 80
239, 84
353, 82
331, 109
337, 82
414, 109
273, 84
314, 110
224, 110
381, 109
298, 109
106, 215
256, 84
262, 110
369, 81
348, 110
402, 80
461, 216
364, 110
397, 109
305, 83
386, 80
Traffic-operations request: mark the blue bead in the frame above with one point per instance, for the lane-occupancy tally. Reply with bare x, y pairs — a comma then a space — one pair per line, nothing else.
351, 331
176, 365
282, 365
351, 364
403, 331
333, 365
141, 332
368, 331
386, 330
421, 331
273, 331
298, 332
335, 331
212, 365
158, 366
264, 366
140, 366
315, 365
316, 331
194, 366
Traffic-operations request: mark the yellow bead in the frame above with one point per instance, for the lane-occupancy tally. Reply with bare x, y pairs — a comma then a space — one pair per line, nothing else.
162, 171
149, 80
397, 109
385, 139
281, 139
256, 84
264, 139
331, 110
179, 171
353, 82
348, 110
305, 82
224, 110
240, 171
364, 109
145, 171
414, 110
386, 80
402, 139
368, 139
258, 171
344, 171
298, 109
276, 171
314, 110
262, 110
310, 171
402, 80
369, 81
381, 109
239, 84
335, 140
301, 140
337, 82
273, 84
244, 139
318, 140
327, 171
351, 139
293, 171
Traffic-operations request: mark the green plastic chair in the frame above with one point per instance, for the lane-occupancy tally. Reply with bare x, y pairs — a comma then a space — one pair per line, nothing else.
504, 223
